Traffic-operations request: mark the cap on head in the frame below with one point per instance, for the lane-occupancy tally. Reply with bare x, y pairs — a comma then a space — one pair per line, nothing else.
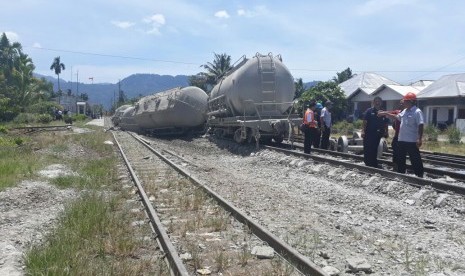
319, 105
410, 96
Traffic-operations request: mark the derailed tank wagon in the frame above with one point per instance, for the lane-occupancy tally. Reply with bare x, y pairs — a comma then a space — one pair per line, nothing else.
175, 111
116, 119
128, 122
254, 101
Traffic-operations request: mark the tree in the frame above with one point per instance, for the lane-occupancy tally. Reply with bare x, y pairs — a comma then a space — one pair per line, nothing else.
200, 81
324, 91
84, 96
18, 87
299, 88
9, 53
343, 76
216, 70
57, 66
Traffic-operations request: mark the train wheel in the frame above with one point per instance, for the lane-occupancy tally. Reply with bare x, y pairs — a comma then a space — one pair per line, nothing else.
238, 137
250, 135
218, 132
342, 144
265, 140
278, 139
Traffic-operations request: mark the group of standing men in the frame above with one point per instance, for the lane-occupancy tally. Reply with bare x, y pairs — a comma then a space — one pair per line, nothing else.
317, 125
408, 127
408, 133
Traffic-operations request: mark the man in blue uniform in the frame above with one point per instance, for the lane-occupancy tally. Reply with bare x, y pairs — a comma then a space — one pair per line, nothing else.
374, 127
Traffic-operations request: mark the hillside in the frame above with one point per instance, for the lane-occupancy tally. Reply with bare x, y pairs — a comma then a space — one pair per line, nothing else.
132, 86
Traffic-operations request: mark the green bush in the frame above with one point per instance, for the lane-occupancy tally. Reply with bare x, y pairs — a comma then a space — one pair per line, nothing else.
431, 133
44, 118
79, 117
24, 118
3, 129
344, 127
358, 124
453, 134
18, 141
68, 119
44, 108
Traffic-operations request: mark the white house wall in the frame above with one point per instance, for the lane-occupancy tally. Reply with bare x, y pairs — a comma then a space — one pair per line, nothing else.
362, 97
442, 115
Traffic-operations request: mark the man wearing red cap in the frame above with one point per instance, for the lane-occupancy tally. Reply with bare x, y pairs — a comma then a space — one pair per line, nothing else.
410, 134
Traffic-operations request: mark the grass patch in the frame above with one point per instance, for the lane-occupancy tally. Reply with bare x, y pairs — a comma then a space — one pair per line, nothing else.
16, 164
92, 238
93, 235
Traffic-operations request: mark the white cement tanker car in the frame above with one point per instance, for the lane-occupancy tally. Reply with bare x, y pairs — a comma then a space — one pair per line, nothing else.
254, 100
174, 111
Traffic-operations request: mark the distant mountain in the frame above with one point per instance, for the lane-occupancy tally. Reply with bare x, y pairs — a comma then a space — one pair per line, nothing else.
308, 85
132, 86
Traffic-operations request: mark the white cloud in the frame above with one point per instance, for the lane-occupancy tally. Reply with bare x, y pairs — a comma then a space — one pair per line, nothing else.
256, 11
123, 24
36, 45
156, 21
222, 14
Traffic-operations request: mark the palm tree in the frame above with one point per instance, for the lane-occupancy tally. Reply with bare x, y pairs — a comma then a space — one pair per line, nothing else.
220, 66
57, 66
9, 53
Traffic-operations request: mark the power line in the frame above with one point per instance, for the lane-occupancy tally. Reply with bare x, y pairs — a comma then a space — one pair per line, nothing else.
113, 56
293, 69
440, 68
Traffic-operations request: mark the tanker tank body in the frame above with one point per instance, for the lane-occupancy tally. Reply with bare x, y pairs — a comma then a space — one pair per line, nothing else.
116, 119
254, 100
128, 122
172, 112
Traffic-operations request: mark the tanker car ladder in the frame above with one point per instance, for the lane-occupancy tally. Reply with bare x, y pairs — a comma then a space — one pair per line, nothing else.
267, 72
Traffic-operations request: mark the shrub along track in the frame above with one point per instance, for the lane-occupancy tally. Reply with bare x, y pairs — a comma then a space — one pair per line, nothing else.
338, 217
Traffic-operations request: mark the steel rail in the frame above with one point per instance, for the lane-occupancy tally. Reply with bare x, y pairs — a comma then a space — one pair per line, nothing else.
44, 127
434, 171
438, 160
413, 180
176, 265
302, 263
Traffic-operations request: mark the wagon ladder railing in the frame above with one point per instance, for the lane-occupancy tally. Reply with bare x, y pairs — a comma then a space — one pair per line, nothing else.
267, 72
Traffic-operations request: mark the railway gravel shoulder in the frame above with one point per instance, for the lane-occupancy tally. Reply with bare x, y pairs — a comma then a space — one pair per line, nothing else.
333, 215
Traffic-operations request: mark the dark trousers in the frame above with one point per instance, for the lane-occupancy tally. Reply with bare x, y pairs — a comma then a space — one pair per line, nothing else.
310, 132
370, 150
395, 152
316, 138
325, 138
414, 155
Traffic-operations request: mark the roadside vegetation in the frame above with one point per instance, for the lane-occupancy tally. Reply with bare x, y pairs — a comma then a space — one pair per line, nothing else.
93, 235
447, 141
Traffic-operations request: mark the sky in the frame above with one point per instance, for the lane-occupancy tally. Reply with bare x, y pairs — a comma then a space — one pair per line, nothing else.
104, 41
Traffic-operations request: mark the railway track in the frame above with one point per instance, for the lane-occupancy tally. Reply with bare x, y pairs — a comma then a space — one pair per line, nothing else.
32, 129
180, 228
438, 167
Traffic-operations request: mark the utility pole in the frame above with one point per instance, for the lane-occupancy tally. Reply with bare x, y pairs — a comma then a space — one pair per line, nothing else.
77, 83
71, 84
119, 90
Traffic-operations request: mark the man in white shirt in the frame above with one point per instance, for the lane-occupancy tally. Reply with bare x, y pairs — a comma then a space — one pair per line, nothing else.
325, 120
410, 135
